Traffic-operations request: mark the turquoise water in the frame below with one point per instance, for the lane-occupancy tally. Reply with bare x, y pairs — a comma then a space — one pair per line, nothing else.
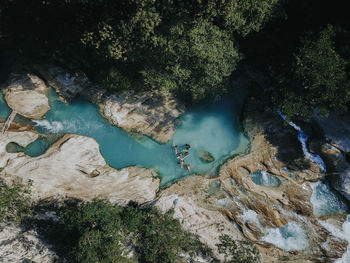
214, 128
265, 179
326, 201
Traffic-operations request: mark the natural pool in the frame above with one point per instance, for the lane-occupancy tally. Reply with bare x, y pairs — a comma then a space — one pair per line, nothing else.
214, 128
264, 178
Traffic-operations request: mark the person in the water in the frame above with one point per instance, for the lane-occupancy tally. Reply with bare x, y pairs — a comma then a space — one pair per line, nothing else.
186, 154
187, 146
188, 167
175, 149
181, 159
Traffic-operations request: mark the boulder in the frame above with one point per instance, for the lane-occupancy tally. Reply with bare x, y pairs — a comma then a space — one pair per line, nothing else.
26, 94
66, 83
154, 114
206, 157
341, 183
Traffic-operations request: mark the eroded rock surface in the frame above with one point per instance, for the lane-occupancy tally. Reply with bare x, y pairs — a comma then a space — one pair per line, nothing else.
74, 167
154, 114
18, 245
26, 94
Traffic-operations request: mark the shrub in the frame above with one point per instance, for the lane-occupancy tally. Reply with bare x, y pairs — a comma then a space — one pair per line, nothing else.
15, 203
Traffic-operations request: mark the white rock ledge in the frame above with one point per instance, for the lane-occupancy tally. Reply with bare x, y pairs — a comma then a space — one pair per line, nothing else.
26, 94
74, 167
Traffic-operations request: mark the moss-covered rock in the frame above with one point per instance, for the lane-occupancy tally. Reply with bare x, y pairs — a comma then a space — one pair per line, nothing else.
206, 157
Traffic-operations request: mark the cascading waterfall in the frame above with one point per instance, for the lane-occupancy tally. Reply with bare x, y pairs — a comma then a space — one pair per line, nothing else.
302, 137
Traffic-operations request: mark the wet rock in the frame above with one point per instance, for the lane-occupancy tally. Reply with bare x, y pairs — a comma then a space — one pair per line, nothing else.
341, 183
26, 94
206, 157
66, 83
73, 167
336, 130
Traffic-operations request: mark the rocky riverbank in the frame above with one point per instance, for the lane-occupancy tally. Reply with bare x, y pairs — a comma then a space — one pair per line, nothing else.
74, 168
279, 220
154, 113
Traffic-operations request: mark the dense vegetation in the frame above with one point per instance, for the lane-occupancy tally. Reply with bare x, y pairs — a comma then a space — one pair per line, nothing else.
99, 231
191, 48
15, 202
304, 58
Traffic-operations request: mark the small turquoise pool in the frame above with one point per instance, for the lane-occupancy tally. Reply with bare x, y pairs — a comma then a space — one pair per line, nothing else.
265, 179
214, 128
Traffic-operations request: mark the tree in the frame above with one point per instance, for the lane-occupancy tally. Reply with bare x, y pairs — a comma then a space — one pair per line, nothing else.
198, 59
320, 78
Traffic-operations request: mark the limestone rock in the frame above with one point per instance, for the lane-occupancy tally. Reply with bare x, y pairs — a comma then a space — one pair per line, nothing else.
18, 245
26, 94
74, 167
193, 212
154, 114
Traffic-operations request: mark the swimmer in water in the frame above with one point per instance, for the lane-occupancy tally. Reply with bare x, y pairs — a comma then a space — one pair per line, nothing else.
188, 167
181, 159
175, 148
186, 154
187, 146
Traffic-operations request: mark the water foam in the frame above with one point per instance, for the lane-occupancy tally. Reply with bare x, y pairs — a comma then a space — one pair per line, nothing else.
325, 201
302, 137
289, 237
251, 216
343, 233
50, 126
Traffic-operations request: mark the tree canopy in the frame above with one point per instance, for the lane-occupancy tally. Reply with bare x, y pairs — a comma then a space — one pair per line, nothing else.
189, 48
320, 80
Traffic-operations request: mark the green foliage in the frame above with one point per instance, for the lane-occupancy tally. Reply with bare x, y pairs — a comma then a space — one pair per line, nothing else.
242, 17
162, 238
197, 61
321, 81
238, 251
89, 232
114, 81
99, 231
15, 203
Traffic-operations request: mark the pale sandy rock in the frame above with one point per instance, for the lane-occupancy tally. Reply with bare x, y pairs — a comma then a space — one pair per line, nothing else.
21, 138
74, 167
194, 212
26, 94
154, 114
18, 245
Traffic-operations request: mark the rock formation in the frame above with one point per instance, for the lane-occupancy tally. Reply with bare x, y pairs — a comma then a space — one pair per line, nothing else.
26, 94
154, 114
74, 167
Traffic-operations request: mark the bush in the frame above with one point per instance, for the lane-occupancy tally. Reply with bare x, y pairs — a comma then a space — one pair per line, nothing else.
99, 231
237, 251
15, 203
